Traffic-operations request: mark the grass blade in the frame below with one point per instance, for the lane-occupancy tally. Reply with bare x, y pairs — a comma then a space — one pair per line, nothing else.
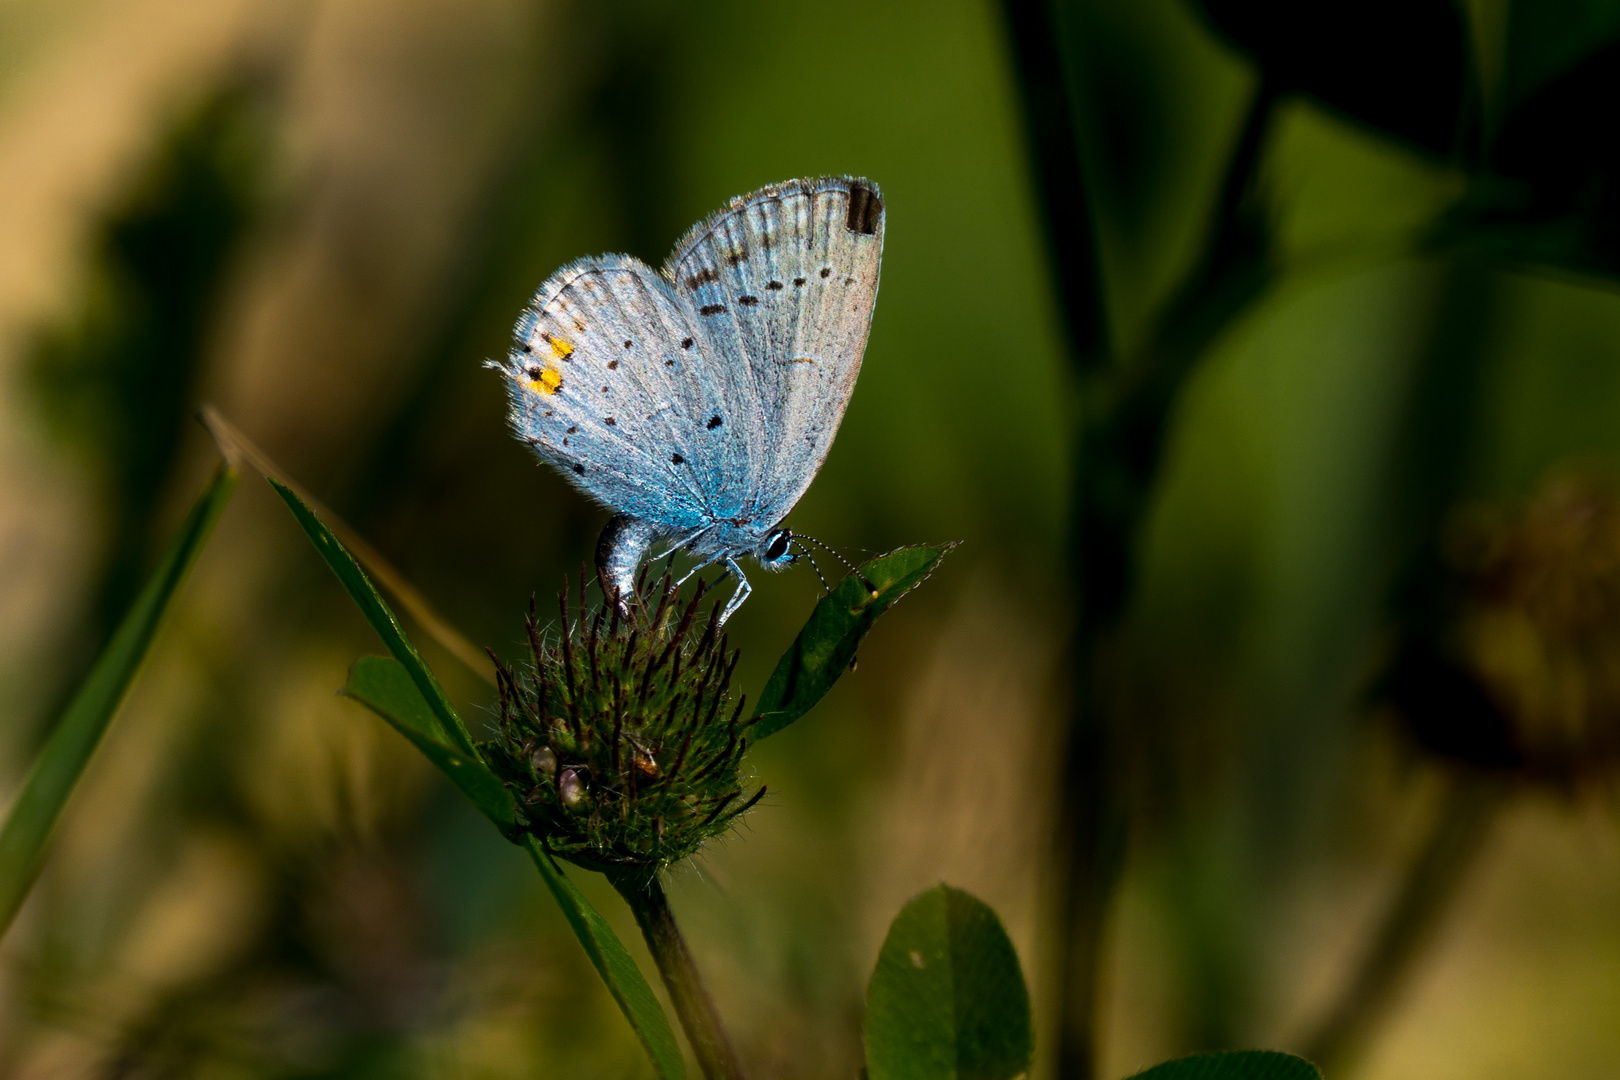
384, 686
33, 816
450, 729
826, 646
614, 963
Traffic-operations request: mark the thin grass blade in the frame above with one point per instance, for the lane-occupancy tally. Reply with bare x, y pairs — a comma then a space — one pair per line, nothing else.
614, 963
28, 828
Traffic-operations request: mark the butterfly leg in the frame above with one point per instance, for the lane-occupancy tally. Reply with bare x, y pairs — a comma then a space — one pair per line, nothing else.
699, 568
685, 541
743, 588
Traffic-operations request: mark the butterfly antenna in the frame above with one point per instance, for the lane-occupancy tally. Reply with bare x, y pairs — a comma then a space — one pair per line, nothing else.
871, 588
811, 559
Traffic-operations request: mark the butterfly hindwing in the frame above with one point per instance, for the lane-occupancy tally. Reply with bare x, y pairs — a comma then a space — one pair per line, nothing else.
781, 286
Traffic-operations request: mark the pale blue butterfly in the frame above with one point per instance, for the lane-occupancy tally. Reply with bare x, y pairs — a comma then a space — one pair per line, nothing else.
699, 403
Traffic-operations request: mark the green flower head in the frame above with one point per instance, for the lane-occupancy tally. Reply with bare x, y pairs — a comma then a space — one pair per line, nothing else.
618, 733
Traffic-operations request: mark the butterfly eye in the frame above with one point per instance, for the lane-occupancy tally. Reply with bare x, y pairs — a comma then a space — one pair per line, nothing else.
778, 545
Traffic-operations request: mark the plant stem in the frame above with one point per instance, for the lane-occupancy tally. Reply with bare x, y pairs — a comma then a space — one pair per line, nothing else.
1053, 132
1430, 886
1119, 454
693, 1007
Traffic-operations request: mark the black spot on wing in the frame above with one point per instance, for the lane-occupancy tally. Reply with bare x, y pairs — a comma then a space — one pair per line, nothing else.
702, 277
864, 210
826, 271
580, 469
612, 365
798, 281
714, 422
747, 301
711, 309
676, 458
686, 343
773, 286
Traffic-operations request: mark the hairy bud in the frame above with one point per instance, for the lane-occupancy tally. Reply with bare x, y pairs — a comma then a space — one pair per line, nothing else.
620, 736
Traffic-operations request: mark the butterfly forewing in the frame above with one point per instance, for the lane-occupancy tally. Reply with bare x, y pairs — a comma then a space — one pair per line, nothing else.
781, 286
603, 377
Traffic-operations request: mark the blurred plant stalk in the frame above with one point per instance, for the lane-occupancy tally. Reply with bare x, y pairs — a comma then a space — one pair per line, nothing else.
1126, 406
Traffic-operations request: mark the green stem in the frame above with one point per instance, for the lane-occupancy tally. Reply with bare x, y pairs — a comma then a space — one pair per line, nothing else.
1430, 887
1119, 455
693, 1007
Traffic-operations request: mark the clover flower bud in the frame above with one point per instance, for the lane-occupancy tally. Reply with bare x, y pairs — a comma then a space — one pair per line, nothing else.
630, 712
1520, 669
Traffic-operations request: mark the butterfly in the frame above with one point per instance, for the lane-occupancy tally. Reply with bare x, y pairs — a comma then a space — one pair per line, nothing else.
698, 402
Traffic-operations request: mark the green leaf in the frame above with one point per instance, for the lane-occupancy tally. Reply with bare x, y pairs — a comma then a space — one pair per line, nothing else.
613, 963
384, 686
1234, 1065
448, 725
947, 1001
826, 646
34, 815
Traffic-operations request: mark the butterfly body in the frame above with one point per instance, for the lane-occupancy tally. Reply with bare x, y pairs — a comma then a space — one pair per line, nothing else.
699, 402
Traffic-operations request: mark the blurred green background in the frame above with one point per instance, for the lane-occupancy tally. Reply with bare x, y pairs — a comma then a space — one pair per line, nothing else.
322, 216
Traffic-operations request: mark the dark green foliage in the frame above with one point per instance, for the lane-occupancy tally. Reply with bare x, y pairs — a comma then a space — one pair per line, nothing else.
947, 1000
1234, 1065
622, 737
826, 646
1552, 192
56, 772
1398, 66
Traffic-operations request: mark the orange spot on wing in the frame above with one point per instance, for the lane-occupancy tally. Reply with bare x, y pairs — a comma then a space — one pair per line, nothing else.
549, 382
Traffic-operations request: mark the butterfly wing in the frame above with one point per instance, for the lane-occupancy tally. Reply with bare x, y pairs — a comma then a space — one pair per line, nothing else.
605, 381
780, 286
